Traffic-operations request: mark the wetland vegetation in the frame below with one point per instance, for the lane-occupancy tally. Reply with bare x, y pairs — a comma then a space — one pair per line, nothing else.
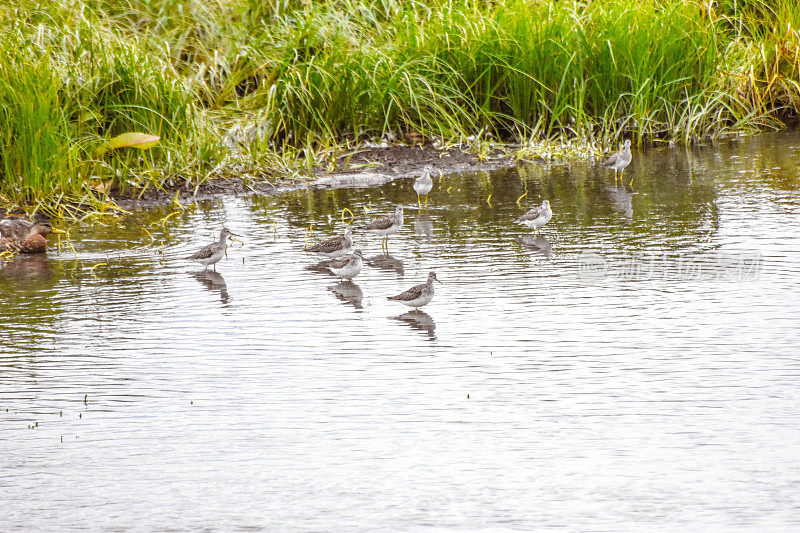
283, 88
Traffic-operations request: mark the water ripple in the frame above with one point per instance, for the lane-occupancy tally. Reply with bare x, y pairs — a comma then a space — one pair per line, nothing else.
633, 367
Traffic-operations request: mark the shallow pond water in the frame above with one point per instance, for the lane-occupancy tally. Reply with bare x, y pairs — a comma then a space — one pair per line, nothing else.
634, 367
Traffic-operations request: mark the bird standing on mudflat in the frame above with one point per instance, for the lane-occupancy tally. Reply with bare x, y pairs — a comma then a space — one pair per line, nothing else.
348, 266
335, 246
17, 235
385, 226
619, 161
418, 295
423, 185
211, 254
537, 216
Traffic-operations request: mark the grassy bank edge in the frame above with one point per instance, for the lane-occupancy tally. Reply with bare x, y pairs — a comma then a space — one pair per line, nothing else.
272, 93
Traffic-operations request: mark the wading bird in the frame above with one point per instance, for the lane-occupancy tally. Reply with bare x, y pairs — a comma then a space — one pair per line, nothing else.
418, 295
348, 266
211, 254
423, 185
537, 216
619, 161
17, 235
335, 246
385, 226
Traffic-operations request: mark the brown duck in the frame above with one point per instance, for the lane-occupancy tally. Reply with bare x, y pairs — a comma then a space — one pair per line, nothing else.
17, 235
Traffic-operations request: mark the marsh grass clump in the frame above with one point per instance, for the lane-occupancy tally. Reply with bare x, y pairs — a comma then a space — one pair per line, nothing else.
765, 42
68, 83
605, 68
34, 159
284, 86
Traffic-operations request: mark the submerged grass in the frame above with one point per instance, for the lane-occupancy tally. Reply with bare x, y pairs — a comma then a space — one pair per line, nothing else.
281, 87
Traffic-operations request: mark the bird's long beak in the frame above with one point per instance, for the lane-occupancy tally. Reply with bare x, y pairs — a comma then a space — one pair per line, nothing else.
55, 230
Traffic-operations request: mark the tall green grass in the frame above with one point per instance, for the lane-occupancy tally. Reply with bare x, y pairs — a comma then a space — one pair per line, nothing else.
766, 40
296, 79
67, 84
32, 123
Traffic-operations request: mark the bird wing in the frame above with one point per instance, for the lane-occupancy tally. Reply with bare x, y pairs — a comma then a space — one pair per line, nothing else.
532, 214
5, 227
331, 245
381, 223
339, 263
9, 244
411, 294
16, 229
611, 161
205, 252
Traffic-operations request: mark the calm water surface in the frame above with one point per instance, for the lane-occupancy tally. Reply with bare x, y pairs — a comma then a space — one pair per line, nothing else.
635, 367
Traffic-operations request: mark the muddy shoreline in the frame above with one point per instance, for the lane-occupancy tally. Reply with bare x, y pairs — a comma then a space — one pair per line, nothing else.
370, 167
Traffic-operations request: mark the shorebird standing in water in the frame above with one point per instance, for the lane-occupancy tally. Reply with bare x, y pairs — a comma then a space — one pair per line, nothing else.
335, 246
537, 216
211, 254
418, 295
348, 266
17, 235
619, 161
423, 185
385, 226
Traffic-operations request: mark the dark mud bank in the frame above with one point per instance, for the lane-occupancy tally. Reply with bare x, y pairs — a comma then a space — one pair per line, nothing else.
371, 167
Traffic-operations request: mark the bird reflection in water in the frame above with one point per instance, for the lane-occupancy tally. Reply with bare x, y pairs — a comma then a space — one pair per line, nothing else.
421, 321
26, 266
537, 243
214, 282
621, 200
423, 227
387, 263
348, 292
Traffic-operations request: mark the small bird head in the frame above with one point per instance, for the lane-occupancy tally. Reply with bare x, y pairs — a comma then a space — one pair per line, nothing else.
348, 229
432, 277
427, 170
398, 210
358, 253
42, 228
225, 233
627, 143
546, 204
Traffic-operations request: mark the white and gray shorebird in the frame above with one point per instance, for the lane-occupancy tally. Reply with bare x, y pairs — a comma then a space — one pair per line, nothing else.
536, 217
335, 246
619, 161
385, 226
418, 295
211, 254
424, 184
348, 266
